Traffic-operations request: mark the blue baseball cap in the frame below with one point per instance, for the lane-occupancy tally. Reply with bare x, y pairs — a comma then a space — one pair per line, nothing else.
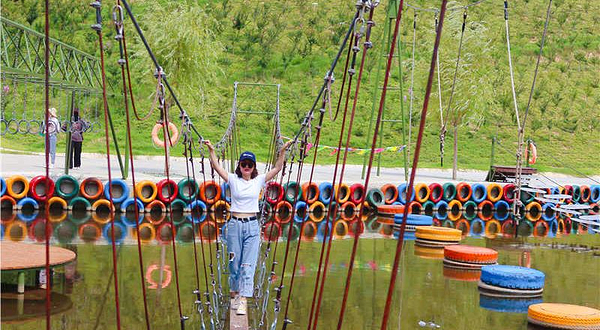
247, 155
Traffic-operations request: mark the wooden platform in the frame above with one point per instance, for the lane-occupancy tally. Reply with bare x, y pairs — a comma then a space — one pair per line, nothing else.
508, 173
237, 322
23, 256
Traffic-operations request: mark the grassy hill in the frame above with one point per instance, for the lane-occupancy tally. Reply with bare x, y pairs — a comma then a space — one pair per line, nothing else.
204, 46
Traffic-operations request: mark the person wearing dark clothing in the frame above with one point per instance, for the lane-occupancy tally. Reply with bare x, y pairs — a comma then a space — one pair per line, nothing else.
77, 128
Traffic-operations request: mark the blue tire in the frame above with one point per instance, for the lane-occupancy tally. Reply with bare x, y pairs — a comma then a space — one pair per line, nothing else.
224, 189
441, 210
402, 194
325, 192
408, 235
414, 219
479, 193
300, 207
502, 210
321, 230
477, 224
595, 193
548, 212
119, 228
122, 186
198, 209
2, 187
129, 202
512, 277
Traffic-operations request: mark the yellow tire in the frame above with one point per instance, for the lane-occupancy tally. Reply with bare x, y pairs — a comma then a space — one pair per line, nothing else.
455, 210
422, 193
438, 233
492, 228
494, 192
17, 186
317, 211
342, 193
146, 191
564, 316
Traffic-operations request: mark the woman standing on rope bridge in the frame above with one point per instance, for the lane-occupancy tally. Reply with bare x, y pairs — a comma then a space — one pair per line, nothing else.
243, 230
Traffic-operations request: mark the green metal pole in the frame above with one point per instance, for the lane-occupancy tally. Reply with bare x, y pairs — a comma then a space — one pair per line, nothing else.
402, 108
388, 42
68, 143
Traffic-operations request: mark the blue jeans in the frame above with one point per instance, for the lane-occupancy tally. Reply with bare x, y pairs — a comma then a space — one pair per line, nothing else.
243, 244
52, 149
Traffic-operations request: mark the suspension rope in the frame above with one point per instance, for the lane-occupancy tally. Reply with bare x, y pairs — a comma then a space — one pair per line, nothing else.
97, 5
343, 81
47, 149
439, 85
449, 108
118, 22
409, 191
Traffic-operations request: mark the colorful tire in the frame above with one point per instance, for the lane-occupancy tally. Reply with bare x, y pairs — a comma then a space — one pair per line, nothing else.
292, 191
586, 193
129, 219
415, 207
494, 192
198, 211
441, 210
16, 231
422, 193
178, 207
527, 197
502, 210
167, 191
300, 211
272, 231
67, 187
509, 228
390, 193
27, 203
463, 192
357, 193
129, 206
273, 192
147, 233
310, 192
541, 229
156, 207
470, 210
102, 205
375, 197
449, 191
325, 193
220, 211
41, 188
146, 191
436, 192
173, 134
438, 234
471, 254
317, 211
210, 192
512, 277
454, 210
576, 194
348, 211
17, 186
165, 233
477, 228
2, 186
533, 211
225, 192
563, 316
291, 231
548, 212
594, 193
56, 203
492, 228
479, 193
7, 203
508, 193
284, 212
414, 220
119, 191
390, 210
403, 192
187, 189
486, 210
429, 208
91, 188
342, 193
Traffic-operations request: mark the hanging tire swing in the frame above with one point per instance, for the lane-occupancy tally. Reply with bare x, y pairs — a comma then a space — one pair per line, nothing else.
174, 134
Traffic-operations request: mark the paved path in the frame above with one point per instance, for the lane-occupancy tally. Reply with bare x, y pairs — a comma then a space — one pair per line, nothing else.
152, 168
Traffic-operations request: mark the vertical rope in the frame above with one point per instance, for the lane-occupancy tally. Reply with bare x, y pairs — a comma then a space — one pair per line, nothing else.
410, 188
47, 137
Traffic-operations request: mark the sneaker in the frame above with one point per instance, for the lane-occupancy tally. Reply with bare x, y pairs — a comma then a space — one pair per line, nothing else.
241, 310
51, 166
235, 302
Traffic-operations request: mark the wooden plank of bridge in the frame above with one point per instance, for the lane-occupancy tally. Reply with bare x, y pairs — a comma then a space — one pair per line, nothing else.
237, 322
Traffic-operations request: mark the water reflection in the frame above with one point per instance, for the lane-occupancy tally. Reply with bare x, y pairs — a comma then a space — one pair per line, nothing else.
427, 291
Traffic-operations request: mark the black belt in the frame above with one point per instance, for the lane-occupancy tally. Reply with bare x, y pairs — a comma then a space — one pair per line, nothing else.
244, 219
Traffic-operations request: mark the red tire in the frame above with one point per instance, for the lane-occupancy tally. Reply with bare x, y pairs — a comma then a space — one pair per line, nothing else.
167, 190
40, 189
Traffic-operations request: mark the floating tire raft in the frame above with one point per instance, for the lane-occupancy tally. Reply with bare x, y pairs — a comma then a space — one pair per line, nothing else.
466, 256
439, 237
511, 281
564, 316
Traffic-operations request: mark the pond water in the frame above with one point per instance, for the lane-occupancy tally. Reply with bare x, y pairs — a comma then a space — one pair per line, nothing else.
427, 294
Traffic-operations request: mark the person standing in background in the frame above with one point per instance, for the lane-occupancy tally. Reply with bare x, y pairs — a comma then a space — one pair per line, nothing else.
52, 128
78, 126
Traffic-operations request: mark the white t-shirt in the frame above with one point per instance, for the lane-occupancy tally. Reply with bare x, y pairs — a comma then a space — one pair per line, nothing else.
244, 194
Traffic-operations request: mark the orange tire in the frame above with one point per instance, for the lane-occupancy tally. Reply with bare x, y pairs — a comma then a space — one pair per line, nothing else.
348, 211
210, 192
463, 191
390, 193
310, 192
464, 226
390, 210
91, 188
470, 254
173, 132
